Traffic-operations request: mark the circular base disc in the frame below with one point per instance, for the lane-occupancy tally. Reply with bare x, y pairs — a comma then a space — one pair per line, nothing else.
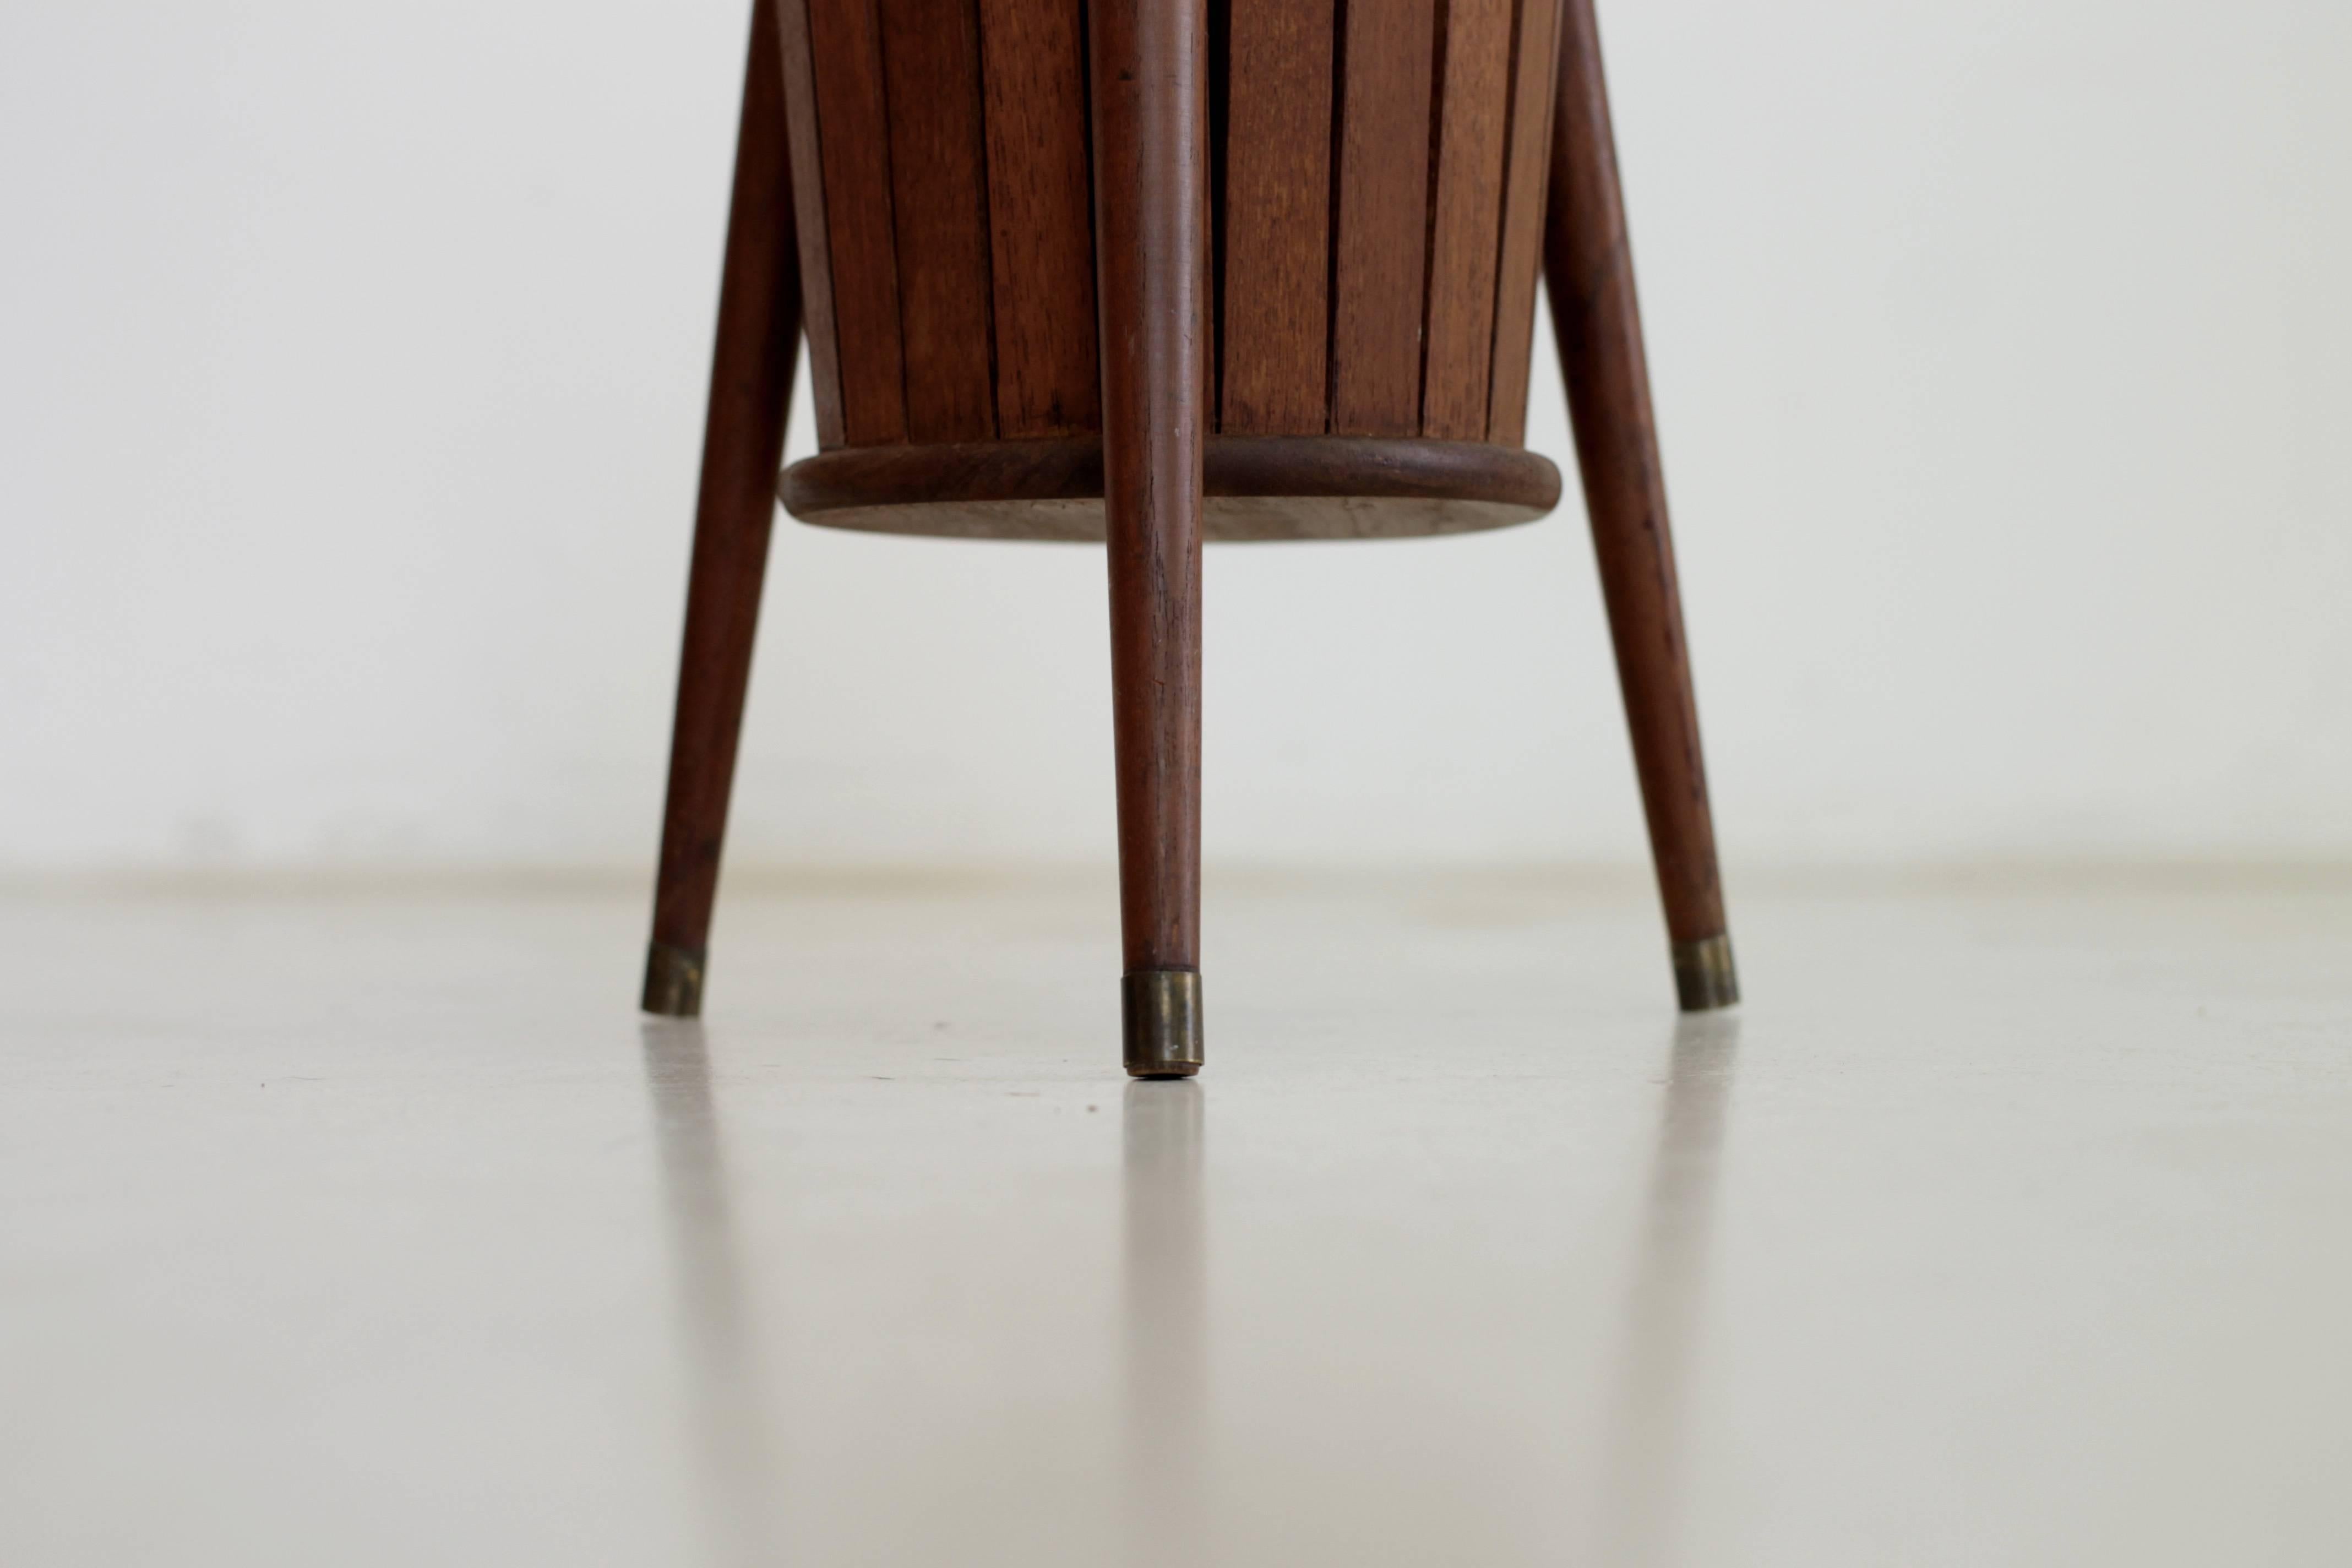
1258, 487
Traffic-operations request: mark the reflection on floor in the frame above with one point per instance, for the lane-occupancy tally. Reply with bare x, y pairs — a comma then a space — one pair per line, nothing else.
2002, 1226
735, 1447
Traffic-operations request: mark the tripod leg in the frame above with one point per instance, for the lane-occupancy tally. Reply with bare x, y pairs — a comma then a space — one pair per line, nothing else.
1589, 275
1150, 110
742, 445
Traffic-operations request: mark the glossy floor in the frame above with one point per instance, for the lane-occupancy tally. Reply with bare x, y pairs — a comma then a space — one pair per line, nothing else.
2008, 1224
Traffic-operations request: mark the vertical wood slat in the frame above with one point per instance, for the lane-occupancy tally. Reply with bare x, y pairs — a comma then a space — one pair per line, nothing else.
846, 58
808, 207
939, 186
1040, 217
1465, 218
1277, 218
1383, 217
1535, 69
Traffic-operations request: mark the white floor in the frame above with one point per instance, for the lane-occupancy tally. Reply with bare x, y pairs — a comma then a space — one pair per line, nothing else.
2007, 1223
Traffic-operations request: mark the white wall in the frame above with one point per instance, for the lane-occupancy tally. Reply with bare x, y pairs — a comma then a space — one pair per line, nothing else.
351, 361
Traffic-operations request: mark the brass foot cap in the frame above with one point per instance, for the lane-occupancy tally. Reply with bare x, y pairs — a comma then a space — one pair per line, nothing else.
673, 981
1705, 977
1161, 1012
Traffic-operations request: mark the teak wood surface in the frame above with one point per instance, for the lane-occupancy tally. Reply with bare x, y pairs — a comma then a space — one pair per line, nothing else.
1256, 487
1040, 213
1275, 235
1039, 270
744, 440
1375, 196
1589, 274
1151, 210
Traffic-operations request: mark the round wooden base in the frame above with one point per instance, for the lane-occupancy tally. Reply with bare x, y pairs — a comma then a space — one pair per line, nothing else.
1259, 488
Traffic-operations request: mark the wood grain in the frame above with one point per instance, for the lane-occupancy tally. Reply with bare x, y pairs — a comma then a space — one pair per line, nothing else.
808, 208
1257, 488
1534, 67
1589, 274
1382, 246
1149, 78
1376, 187
1465, 218
1277, 210
939, 187
743, 438
1040, 217
846, 60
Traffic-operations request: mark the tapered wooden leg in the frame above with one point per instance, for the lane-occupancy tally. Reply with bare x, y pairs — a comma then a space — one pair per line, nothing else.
743, 444
1150, 113
1589, 275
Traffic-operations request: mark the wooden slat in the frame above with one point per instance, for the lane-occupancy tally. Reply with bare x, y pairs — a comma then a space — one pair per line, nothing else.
1473, 104
1535, 69
1277, 218
808, 208
1039, 208
1383, 217
938, 184
846, 63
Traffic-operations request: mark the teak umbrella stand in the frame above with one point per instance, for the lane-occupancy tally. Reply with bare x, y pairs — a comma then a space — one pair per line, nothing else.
1145, 271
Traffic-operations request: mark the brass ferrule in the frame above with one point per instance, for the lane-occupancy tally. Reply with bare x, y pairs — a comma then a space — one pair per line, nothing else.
673, 981
1705, 977
1160, 1014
